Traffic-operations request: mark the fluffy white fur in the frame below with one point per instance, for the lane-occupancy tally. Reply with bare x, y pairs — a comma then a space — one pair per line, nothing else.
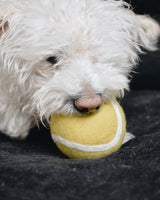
96, 44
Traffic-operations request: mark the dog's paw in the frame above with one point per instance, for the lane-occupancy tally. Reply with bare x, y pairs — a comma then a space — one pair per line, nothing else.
18, 135
16, 126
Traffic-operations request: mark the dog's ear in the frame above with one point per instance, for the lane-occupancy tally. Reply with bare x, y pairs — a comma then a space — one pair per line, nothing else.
148, 32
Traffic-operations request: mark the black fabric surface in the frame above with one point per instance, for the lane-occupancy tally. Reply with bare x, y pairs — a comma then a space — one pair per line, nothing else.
34, 169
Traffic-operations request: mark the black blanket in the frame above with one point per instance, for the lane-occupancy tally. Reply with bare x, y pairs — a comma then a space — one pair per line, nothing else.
35, 169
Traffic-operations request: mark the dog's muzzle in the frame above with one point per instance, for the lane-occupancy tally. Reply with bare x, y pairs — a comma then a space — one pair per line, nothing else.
86, 104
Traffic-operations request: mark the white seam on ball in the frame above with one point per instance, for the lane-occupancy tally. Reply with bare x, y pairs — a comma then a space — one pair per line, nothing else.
94, 148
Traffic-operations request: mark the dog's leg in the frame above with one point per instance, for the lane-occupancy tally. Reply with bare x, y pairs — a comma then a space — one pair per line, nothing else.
14, 123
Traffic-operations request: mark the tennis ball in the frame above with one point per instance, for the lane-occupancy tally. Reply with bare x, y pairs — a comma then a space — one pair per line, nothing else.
90, 135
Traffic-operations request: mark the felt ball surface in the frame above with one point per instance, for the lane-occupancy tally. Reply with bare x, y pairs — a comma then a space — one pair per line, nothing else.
90, 135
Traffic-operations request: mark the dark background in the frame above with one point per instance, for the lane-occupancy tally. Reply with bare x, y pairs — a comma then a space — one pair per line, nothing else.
147, 73
151, 7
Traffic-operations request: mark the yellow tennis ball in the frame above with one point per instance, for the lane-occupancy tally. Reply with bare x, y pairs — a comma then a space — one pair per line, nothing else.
90, 135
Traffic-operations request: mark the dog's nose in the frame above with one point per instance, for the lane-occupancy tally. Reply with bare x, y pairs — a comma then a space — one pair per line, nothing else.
85, 104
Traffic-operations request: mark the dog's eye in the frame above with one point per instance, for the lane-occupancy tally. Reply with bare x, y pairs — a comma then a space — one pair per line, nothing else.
53, 60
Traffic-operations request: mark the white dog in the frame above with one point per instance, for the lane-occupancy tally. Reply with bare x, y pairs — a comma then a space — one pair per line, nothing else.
65, 56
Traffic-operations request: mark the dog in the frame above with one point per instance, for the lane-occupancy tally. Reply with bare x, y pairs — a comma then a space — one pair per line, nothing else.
66, 56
